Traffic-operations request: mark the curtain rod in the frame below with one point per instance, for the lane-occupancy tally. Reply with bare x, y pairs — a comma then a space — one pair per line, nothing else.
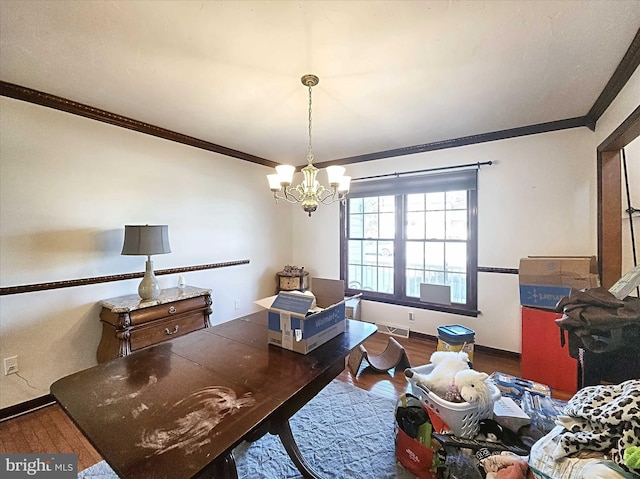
439, 168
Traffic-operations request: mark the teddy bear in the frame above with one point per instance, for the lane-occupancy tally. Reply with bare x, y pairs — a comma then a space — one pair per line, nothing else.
445, 366
473, 387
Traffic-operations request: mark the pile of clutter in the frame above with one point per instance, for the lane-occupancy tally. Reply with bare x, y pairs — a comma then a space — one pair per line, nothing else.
429, 447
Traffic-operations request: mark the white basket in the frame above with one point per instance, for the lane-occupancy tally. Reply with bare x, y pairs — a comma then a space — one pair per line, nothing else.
461, 417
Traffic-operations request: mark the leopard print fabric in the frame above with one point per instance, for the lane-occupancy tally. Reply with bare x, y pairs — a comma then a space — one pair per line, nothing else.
602, 418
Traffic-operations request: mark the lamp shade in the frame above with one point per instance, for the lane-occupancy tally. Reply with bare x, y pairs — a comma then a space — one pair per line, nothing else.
334, 173
274, 182
146, 240
344, 185
285, 172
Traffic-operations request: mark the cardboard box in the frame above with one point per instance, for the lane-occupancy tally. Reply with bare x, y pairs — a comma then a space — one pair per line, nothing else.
508, 414
294, 327
352, 308
545, 280
626, 284
513, 387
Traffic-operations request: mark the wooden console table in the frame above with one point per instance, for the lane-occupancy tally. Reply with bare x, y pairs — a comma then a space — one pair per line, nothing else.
129, 324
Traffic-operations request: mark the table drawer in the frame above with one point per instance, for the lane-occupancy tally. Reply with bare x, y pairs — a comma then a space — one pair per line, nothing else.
164, 330
167, 310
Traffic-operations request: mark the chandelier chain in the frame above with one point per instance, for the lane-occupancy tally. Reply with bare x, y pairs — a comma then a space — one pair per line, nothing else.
310, 152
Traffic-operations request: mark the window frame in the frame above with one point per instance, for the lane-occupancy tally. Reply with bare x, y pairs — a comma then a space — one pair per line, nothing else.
400, 187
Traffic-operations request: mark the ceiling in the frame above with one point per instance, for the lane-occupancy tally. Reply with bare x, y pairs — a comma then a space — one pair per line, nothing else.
393, 74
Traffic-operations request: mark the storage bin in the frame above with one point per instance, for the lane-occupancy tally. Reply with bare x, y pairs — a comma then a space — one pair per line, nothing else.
462, 417
456, 338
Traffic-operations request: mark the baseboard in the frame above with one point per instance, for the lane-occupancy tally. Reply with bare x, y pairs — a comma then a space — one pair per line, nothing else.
25, 407
501, 353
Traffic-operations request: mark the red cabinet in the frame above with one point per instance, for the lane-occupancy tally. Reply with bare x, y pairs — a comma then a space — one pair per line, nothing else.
543, 359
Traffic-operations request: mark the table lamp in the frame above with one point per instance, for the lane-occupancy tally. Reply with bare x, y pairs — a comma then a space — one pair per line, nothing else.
145, 240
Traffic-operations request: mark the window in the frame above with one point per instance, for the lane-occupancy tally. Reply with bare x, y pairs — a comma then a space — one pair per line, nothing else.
404, 232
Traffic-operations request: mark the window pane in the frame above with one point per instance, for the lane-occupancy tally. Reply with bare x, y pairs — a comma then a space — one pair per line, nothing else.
434, 225
356, 205
385, 280
387, 225
371, 204
355, 252
370, 252
354, 279
415, 202
434, 277
415, 254
434, 201
414, 278
434, 256
369, 278
385, 253
371, 225
387, 204
456, 200
415, 225
356, 226
456, 254
457, 225
458, 283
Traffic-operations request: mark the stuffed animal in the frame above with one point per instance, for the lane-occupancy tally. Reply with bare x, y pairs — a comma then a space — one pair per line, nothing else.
445, 366
473, 386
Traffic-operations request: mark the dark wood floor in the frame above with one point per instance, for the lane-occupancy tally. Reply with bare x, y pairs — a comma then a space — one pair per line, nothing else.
50, 430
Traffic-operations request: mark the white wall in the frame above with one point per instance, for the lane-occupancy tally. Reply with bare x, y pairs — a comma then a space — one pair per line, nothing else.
539, 198
68, 185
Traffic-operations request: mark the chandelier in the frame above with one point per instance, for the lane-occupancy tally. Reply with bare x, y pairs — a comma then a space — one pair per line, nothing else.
310, 192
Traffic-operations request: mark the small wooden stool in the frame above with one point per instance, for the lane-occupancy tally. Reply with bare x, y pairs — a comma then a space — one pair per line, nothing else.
393, 356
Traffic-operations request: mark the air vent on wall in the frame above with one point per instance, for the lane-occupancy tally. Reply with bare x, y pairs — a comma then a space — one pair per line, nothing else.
393, 330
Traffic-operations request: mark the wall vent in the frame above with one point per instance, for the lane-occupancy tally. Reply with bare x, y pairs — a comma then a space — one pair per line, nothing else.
393, 330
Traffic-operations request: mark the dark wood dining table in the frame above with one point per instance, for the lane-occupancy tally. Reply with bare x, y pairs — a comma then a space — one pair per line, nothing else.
178, 409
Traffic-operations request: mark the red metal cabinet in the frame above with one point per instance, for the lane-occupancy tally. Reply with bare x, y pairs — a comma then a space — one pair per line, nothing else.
543, 359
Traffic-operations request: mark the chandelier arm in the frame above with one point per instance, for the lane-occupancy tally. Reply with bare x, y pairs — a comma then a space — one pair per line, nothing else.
289, 197
326, 195
335, 196
329, 198
301, 192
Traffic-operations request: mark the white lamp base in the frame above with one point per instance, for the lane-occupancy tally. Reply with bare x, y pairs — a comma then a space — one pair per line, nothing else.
149, 287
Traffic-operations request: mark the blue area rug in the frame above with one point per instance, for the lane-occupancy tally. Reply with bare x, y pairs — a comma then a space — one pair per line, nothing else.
344, 432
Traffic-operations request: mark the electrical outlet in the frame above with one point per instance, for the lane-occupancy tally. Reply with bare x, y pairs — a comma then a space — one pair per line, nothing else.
10, 365
237, 304
411, 316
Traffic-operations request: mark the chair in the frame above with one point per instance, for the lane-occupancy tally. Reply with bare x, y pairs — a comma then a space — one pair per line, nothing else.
393, 356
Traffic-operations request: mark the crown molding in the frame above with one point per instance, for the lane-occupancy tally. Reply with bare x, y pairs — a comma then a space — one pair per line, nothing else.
463, 141
628, 65
626, 68
58, 103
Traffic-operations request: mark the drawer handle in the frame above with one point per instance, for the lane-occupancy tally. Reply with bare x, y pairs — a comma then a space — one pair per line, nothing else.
174, 331
172, 309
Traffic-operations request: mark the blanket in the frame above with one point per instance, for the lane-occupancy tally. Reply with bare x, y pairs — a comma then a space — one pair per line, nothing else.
601, 418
